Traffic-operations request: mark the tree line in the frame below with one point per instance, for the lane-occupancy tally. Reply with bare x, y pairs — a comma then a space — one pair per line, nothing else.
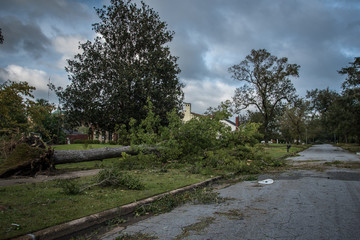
129, 64
323, 115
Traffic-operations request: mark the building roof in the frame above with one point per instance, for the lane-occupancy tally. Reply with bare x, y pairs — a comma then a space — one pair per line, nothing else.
230, 122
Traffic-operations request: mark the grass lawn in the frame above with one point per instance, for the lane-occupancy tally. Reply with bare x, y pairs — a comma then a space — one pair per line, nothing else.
280, 151
352, 147
37, 206
82, 146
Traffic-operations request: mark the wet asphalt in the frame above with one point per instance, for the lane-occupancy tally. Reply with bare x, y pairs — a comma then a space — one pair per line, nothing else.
300, 204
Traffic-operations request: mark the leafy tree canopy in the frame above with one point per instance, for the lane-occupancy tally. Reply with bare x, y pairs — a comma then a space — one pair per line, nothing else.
350, 101
266, 84
321, 100
353, 75
127, 63
1, 37
336, 116
293, 121
13, 106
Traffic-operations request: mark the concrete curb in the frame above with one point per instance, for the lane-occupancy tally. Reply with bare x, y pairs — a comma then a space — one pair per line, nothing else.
77, 225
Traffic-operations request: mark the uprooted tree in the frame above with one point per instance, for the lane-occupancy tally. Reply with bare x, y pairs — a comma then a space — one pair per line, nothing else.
30, 155
204, 142
27, 156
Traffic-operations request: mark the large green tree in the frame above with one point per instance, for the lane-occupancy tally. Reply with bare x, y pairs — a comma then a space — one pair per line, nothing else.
322, 104
266, 84
351, 99
127, 63
337, 115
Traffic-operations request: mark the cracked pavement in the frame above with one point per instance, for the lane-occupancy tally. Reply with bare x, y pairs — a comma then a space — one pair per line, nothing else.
300, 204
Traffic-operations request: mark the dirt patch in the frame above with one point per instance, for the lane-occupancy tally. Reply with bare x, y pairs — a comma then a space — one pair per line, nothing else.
232, 214
196, 227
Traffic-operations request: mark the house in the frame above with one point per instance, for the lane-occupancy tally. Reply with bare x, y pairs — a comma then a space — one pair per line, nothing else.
188, 115
231, 124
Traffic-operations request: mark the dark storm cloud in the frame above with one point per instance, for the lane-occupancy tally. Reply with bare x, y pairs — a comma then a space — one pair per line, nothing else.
322, 36
314, 34
20, 36
67, 11
30, 28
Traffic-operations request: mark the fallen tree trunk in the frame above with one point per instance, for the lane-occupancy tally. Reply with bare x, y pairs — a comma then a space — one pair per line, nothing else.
74, 156
30, 156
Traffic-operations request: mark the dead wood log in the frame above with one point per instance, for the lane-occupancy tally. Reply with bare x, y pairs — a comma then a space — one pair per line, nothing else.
74, 156
30, 156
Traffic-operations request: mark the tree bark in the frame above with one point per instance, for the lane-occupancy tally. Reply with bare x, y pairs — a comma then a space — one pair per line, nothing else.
74, 156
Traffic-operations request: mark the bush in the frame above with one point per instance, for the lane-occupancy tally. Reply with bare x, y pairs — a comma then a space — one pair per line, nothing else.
140, 161
116, 178
79, 141
69, 186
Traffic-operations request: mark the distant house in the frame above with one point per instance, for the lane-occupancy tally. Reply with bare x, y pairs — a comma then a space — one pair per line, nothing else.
231, 124
188, 115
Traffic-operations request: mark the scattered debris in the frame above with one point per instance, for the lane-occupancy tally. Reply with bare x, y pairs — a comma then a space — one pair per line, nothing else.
232, 214
196, 228
266, 181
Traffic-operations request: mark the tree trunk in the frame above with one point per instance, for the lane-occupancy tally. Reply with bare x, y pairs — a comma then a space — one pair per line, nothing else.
74, 156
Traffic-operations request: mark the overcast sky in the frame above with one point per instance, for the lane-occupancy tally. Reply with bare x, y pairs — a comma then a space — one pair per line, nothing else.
210, 36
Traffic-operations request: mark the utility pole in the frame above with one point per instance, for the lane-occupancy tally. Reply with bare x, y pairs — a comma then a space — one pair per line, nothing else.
49, 90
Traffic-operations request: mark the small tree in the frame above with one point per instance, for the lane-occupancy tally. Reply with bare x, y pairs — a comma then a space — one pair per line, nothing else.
266, 84
14, 106
293, 121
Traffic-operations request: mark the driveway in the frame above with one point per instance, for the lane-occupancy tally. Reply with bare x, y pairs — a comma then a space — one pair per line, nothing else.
300, 204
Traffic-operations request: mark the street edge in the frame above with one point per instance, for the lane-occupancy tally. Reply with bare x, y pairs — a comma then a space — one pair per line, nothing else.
77, 225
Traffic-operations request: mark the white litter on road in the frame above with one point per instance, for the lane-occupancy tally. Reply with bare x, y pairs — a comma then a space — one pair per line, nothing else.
266, 181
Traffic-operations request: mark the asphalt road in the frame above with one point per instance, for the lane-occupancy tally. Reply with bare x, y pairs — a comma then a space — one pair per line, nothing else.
300, 204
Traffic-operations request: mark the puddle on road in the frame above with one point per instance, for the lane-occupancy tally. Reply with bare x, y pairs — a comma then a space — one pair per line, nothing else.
332, 175
344, 176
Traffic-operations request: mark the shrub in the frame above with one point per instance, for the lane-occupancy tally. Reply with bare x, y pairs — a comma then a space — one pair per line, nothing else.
116, 178
69, 186
140, 161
